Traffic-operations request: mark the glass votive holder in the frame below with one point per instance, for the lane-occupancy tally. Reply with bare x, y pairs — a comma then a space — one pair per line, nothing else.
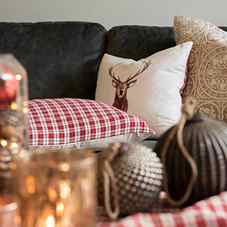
57, 188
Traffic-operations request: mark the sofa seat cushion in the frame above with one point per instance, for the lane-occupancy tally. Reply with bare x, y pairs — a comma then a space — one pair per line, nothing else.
81, 123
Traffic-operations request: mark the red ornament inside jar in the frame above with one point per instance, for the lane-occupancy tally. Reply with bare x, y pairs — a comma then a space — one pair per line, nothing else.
9, 84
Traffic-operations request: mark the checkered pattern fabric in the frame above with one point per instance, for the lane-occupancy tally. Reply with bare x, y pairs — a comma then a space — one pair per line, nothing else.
206, 213
54, 122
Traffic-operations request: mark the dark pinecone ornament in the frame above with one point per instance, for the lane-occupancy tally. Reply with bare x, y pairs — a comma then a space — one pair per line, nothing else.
194, 156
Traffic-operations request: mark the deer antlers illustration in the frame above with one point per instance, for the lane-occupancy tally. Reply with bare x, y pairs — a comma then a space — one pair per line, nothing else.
130, 78
120, 100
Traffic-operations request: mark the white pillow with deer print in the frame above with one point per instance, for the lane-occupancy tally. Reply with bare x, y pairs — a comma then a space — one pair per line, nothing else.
149, 88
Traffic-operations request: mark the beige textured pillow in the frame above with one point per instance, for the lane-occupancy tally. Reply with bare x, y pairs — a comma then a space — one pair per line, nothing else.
149, 88
207, 66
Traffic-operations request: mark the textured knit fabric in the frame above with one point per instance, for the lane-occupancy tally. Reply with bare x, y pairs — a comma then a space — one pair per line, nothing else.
207, 63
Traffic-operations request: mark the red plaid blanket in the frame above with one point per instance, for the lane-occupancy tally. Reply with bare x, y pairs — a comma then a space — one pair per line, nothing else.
206, 213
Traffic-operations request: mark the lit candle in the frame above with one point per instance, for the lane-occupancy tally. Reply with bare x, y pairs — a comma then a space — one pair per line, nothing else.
60, 207
46, 219
64, 189
50, 221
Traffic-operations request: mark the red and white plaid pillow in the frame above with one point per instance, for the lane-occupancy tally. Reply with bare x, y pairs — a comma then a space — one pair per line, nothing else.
211, 212
80, 123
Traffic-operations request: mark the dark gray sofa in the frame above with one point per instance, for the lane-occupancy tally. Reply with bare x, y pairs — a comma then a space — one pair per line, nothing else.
62, 58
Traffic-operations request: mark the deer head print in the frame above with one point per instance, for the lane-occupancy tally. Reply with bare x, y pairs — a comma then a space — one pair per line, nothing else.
121, 87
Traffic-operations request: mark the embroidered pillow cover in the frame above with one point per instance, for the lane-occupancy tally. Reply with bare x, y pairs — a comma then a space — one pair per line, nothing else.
207, 68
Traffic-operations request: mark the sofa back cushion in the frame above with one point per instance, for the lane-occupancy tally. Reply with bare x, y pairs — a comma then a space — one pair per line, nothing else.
61, 58
138, 42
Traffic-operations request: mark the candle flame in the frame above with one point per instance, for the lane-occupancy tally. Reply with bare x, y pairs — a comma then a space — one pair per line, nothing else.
52, 194
14, 145
7, 76
18, 77
65, 189
3, 143
13, 106
30, 184
47, 218
60, 208
50, 221
25, 110
64, 167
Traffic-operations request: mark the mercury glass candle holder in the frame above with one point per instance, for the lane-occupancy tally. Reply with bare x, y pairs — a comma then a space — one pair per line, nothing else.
57, 188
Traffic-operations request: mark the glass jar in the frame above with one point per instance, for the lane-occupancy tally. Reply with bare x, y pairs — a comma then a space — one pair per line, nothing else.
13, 111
